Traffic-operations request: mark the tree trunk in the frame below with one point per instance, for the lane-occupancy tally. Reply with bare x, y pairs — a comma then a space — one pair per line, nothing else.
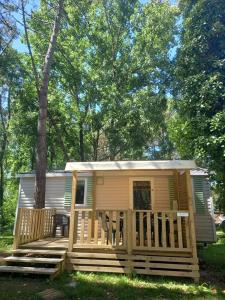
81, 138
4, 119
41, 156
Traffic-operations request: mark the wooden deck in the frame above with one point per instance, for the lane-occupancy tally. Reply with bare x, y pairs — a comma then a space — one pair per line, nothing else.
47, 243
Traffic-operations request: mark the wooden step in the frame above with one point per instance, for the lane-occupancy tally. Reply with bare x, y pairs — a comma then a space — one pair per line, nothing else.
33, 259
30, 270
39, 251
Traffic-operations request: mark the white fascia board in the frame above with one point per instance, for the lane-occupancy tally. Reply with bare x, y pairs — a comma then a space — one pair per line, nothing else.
131, 165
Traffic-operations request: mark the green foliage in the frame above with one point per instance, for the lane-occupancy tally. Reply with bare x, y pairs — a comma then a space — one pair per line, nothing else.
197, 126
113, 68
9, 205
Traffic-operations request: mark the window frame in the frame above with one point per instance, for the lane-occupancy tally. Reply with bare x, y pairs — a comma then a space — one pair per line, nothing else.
85, 192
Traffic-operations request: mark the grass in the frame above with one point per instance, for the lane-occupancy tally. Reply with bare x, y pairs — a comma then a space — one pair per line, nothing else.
110, 287
214, 257
5, 242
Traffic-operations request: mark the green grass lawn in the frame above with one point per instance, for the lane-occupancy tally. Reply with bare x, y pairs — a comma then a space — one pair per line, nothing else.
110, 287
213, 260
214, 255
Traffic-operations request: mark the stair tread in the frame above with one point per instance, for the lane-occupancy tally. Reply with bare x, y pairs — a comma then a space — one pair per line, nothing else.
33, 270
47, 260
39, 251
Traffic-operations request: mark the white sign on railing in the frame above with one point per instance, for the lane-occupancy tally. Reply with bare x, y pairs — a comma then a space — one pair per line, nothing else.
182, 214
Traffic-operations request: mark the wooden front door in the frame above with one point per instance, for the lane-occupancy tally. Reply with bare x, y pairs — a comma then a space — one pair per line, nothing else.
141, 196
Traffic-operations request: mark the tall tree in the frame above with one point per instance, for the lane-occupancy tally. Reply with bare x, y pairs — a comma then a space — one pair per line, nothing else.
10, 79
198, 127
42, 83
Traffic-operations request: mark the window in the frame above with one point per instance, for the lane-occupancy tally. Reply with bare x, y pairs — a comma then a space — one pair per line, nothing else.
141, 194
81, 192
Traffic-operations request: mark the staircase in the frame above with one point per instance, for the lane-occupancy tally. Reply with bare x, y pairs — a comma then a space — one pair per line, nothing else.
34, 261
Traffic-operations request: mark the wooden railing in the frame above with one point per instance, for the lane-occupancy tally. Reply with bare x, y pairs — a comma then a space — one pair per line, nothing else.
100, 228
33, 224
132, 230
167, 230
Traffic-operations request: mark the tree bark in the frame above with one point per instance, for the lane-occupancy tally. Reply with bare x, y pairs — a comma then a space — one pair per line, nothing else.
4, 119
41, 155
81, 138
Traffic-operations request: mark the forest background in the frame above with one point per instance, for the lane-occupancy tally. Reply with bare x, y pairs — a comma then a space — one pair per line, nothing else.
129, 80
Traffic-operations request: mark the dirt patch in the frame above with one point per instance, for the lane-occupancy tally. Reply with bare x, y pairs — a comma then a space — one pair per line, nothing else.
51, 294
211, 276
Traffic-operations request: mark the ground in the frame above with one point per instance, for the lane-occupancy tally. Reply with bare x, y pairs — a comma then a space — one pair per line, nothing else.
110, 287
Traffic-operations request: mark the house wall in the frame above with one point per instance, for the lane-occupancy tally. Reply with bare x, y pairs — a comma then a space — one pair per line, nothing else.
113, 192
204, 213
55, 189
113, 188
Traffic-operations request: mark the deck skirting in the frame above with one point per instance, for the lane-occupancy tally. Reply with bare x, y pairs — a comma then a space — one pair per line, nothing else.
184, 266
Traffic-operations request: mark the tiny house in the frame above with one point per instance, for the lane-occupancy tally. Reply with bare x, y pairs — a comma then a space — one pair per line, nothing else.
59, 195
124, 216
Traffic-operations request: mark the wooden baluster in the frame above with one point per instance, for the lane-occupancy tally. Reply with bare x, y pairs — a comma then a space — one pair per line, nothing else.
179, 229
156, 230
82, 227
187, 232
72, 212
124, 241
16, 241
110, 228
172, 244
75, 235
117, 229
141, 215
22, 226
96, 227
164, 233
26, 225
32, 226
134, 213
89, 226
103, 224
149, 230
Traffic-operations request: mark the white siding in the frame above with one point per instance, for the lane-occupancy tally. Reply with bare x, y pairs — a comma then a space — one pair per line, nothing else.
55, 188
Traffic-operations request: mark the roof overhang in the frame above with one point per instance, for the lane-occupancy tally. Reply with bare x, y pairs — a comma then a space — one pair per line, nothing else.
54, 174
131, 165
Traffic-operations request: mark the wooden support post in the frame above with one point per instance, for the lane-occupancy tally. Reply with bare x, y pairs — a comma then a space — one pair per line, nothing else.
72, 212
129, 238
93, 204
176, 190
129, 231
191, 212
192, 222
17, 230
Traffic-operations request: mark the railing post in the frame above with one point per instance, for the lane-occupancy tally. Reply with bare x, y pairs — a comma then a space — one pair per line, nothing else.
72, 212
129, 232
129, 239
191, 218
17, 230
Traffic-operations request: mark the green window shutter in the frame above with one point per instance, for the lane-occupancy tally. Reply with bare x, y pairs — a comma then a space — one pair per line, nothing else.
199, 195
89, 191
171, 185
68, 192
